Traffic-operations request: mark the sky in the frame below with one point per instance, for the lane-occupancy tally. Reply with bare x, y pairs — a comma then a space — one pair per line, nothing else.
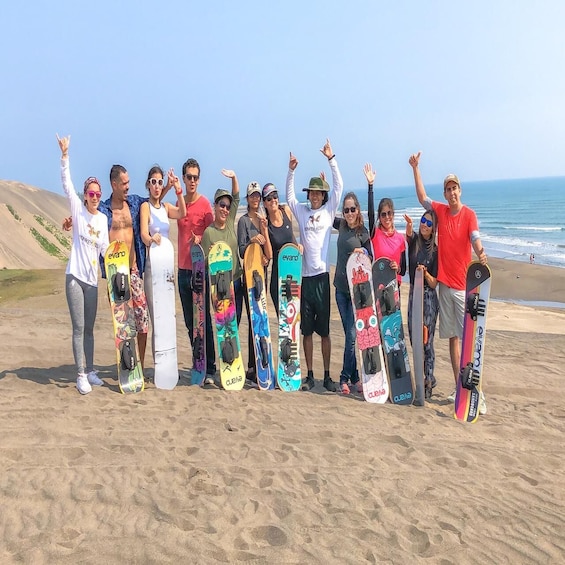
478, 87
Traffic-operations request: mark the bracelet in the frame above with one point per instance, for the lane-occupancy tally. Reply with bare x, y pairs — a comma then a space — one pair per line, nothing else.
178, 192
330, 158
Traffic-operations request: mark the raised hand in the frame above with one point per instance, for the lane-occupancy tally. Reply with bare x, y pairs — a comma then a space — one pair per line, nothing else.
174, 181
292, 162
228, 173
67, 223
370, 175
414, 159
327, 149
64, 144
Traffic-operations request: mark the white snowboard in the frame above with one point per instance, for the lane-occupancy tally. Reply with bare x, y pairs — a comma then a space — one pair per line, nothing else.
164, 318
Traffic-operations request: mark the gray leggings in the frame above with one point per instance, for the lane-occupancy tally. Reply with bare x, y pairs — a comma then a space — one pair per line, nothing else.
82, 299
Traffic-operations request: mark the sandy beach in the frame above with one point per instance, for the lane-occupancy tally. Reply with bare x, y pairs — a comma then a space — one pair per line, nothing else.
199, 475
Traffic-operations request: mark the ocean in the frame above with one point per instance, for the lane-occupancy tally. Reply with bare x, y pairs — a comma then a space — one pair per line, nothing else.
516, 217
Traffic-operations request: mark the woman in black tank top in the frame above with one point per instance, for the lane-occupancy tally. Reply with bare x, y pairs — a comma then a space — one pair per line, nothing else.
280, 233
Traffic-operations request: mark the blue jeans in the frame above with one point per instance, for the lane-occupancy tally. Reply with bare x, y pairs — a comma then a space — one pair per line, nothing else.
185, 292
349, 370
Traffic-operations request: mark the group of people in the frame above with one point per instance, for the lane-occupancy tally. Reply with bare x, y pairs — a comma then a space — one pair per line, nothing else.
440, 247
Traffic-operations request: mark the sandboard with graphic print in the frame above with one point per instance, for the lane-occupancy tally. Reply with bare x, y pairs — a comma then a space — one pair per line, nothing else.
477, 294
387, 296
255, 284
162, 259
289, 376
198, 372
220, 264
373, 369
116, 262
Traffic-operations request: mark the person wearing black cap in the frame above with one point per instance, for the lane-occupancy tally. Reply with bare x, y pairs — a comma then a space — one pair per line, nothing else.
315, 223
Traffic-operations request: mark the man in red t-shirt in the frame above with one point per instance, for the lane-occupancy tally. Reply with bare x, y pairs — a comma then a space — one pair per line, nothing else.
458, 231
190, 229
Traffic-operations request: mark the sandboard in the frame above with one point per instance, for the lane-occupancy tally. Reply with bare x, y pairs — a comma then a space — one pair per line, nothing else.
289, 376
198, 372
116, 262
255, 284
477, 295
387, 296
373, 369
418, 336
162, 258
220, 263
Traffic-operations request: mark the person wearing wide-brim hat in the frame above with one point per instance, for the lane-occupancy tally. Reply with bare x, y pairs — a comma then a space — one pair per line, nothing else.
315, 223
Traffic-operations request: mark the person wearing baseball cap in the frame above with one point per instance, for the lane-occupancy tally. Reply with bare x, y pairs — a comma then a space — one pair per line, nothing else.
458, 232
315, 222
252, 228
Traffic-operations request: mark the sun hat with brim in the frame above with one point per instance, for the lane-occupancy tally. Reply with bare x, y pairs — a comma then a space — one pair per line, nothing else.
220, 193
451, 178
269, 188
316, 183
253, 188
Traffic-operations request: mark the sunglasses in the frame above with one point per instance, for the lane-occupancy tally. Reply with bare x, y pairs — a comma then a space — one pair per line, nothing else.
352, 209
225, 205
272, 196
427, 222
155, 182
94, 193
387, 214
191, 177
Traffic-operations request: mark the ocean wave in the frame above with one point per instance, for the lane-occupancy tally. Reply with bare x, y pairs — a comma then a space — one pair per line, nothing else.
534, 228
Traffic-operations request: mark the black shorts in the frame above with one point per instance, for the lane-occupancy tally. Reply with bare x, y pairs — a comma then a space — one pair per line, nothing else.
315, 305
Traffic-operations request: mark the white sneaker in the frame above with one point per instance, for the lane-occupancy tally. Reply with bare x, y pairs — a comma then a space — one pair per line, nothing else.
94, 379
209, 380
482, 404
83, 386
452, 396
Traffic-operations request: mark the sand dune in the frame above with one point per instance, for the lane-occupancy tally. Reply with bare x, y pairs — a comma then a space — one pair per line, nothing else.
205, 476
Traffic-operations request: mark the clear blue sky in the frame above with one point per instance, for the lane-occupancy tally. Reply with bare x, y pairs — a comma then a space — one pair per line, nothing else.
478, 87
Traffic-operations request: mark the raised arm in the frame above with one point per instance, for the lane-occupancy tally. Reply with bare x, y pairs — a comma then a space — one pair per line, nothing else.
234, 192
337, 182
68, 186
420, 189
176, 212
370, 175
290, 194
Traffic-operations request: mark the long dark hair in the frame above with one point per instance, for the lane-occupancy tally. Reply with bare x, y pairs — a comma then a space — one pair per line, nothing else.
428, 244
359, 224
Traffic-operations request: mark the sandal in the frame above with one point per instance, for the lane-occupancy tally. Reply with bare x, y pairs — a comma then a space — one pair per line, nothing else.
344, 388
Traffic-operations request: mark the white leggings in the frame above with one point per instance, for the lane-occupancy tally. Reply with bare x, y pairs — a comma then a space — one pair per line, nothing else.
82, 299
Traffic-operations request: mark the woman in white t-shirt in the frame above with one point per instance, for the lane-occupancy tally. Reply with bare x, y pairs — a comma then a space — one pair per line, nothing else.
90, 240
154, 218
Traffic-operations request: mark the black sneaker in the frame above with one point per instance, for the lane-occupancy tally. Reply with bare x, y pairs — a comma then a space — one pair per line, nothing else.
308, 383
329, 384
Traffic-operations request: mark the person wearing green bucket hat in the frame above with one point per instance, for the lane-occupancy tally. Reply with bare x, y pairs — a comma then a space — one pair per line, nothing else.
315, 223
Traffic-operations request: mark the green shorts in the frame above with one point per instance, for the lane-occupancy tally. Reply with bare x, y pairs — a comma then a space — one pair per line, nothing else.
315, 305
